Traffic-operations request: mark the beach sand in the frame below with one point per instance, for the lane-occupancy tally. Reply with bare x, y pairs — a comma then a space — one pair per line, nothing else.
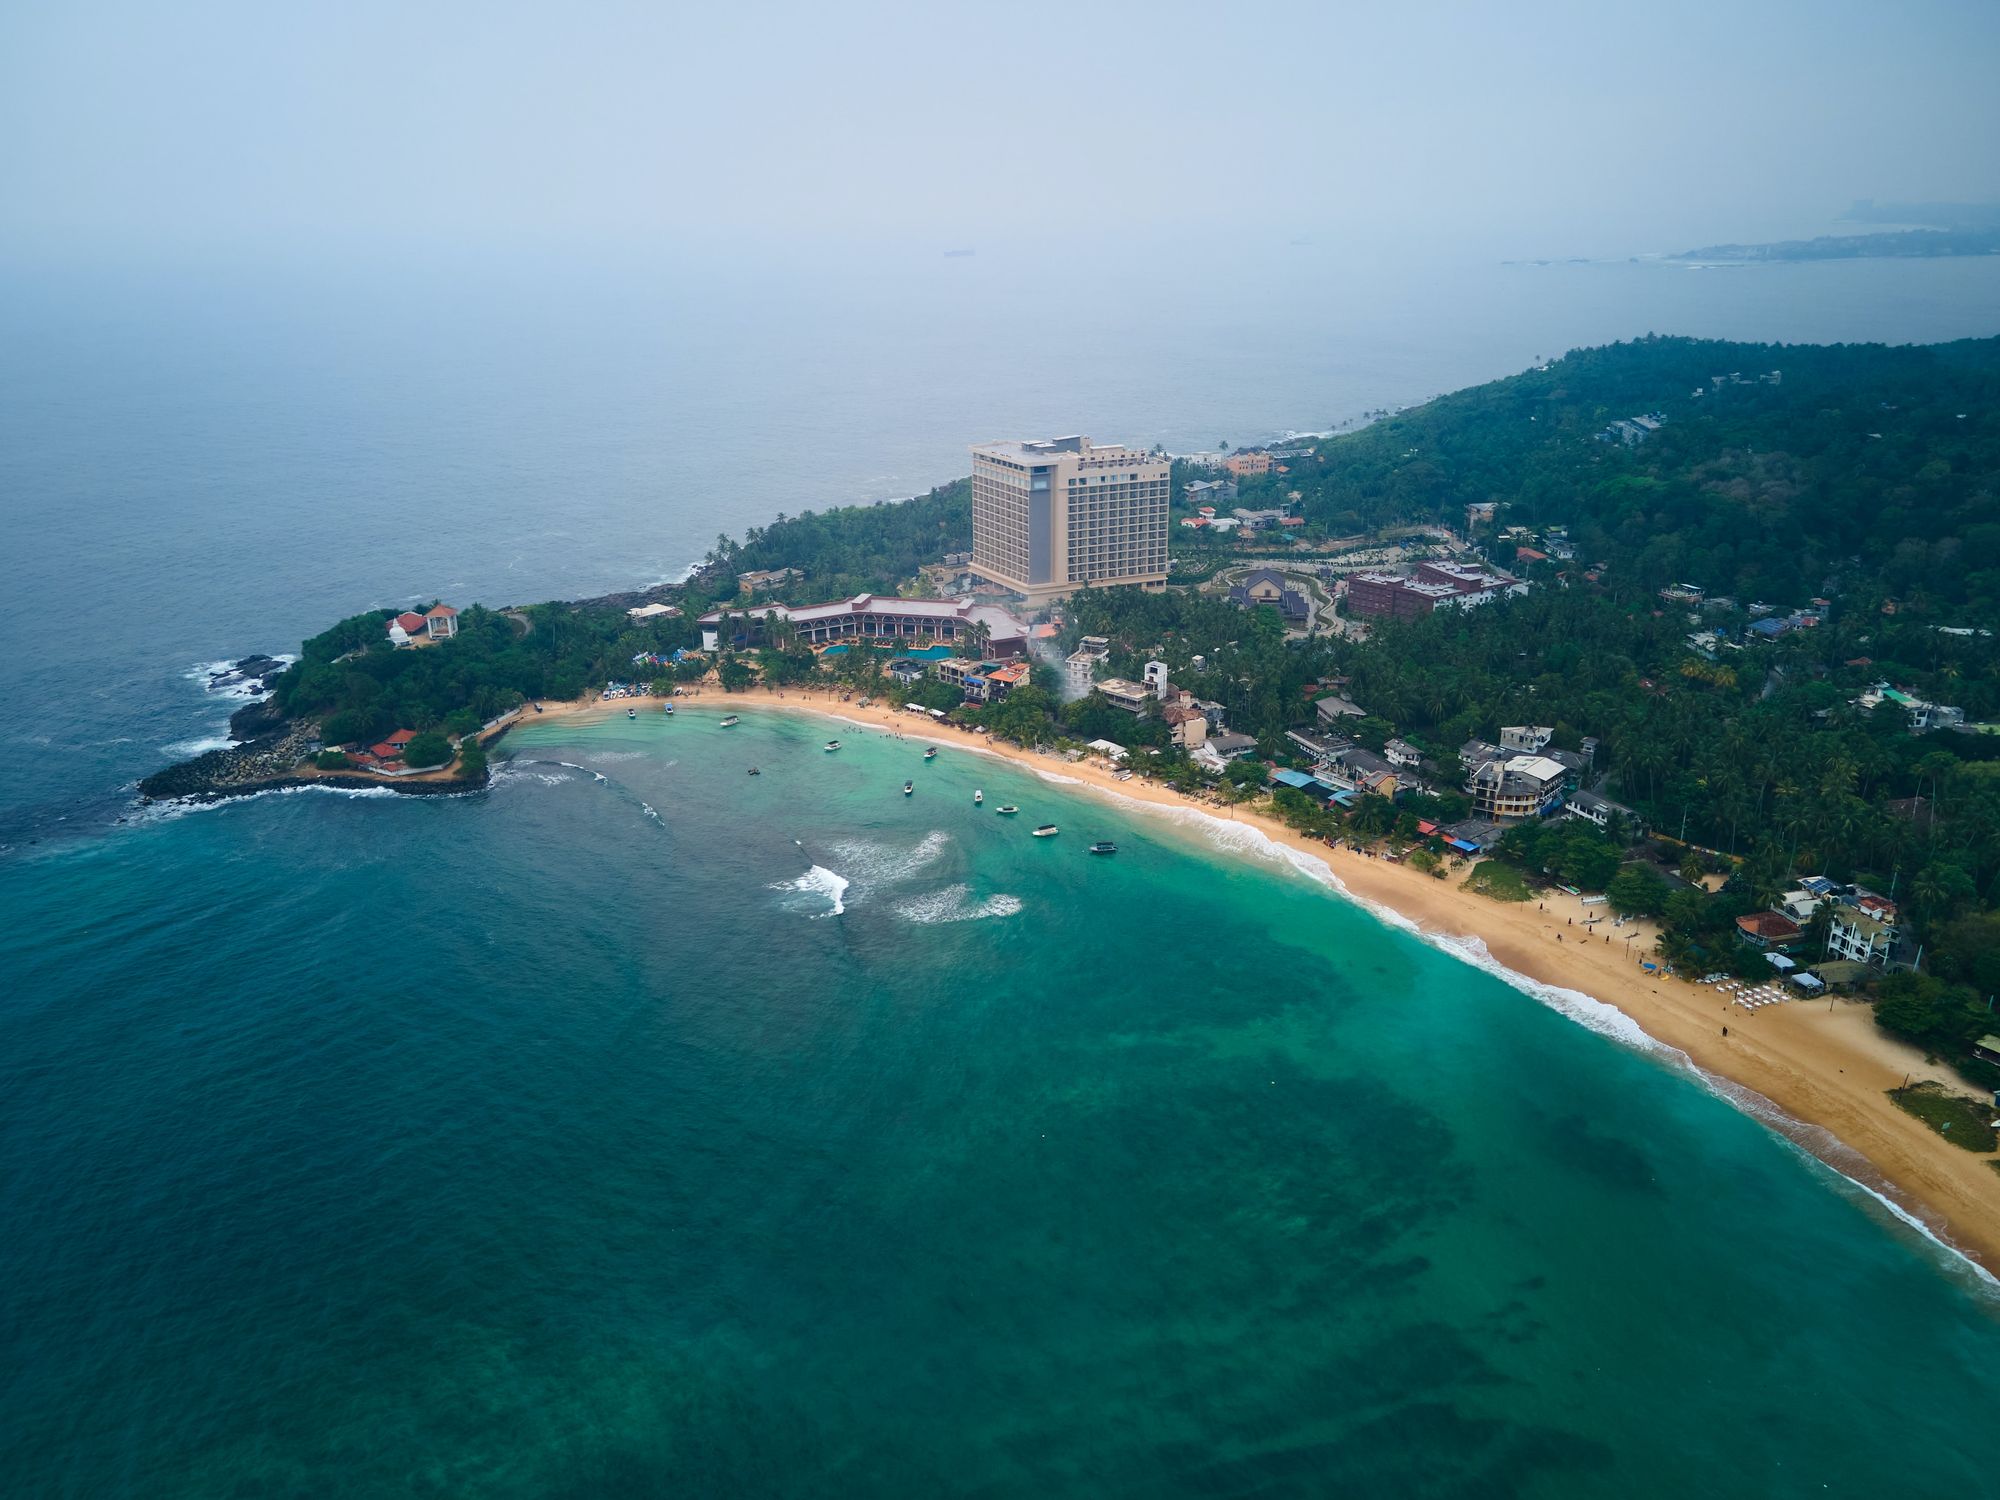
1823, 1063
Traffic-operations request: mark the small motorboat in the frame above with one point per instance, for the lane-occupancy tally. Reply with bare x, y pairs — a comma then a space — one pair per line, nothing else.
1047, 831
755, 772
631, 713
909, 787
977, 796
1104, 846
931, 754
731, 722
669, 708
1009, 808
830, 746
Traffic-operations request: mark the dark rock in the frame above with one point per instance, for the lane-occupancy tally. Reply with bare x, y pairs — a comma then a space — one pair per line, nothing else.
254, 719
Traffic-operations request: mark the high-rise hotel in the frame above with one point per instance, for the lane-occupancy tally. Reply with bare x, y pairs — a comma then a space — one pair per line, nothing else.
1050, 517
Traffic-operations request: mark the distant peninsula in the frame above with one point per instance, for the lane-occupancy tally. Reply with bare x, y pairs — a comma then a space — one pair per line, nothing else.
1902, 244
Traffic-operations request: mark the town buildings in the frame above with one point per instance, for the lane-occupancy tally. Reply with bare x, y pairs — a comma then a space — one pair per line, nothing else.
645, 614
1051, 517
1245, 464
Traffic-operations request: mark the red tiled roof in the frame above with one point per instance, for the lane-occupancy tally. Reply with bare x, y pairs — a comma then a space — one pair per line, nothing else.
1771, 926
409, 620
386, 751
441, 612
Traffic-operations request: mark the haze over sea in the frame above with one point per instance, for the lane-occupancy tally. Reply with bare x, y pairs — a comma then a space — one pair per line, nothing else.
563, 1140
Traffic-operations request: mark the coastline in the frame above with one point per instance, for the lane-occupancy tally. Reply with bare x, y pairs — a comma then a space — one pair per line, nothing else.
1823, 1066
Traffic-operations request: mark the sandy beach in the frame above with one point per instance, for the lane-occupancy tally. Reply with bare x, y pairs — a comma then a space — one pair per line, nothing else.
1822, 1063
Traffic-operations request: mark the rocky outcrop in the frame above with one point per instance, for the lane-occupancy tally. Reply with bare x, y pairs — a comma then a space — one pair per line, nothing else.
269, 755
272, 763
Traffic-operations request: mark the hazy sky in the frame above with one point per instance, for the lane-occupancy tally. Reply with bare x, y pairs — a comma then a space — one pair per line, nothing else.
1527, 128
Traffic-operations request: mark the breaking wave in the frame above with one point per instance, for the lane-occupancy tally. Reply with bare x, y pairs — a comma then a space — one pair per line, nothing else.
816, 885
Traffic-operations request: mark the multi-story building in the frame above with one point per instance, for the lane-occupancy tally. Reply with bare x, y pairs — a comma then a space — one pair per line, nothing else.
1395, 596
1050, 517
1080, 666
868, 617
1521, 786
1854, 934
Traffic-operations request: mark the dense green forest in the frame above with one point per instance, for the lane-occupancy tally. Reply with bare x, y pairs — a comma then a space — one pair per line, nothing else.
839, 553
1870, 470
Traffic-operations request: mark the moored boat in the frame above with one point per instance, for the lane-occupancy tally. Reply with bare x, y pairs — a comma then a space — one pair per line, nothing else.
1047, 831
931, 754
909, 787
977, 796
631, 713
1104, 846
1009, 808
830, 746
731, 720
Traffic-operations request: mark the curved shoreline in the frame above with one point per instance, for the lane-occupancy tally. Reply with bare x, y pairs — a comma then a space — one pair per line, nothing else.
1803, 1068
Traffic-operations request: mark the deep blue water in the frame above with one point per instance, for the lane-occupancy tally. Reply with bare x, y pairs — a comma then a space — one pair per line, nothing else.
557, 1140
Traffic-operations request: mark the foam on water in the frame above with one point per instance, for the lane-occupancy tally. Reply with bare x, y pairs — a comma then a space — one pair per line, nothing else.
188, 749
953, 904
162, 812
821, 883
877, 864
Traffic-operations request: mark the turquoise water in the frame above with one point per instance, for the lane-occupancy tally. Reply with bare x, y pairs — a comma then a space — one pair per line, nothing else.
560, 1140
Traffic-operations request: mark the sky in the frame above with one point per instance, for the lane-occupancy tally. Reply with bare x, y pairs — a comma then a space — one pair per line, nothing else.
207, 128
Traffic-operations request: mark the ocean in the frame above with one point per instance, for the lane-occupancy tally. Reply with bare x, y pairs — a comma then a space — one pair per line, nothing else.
638, 1126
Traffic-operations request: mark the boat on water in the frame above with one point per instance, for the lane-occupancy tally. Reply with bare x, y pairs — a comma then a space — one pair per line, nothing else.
977, 796
931, 754
830, 746
631, 713
731, 720
1047, 831
755, 772
909, 787
1104, 846
1009, 808
669, 708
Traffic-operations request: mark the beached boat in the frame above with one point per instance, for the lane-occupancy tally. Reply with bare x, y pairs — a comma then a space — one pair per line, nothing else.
1047, 831
1104, 846
909, 787
1009, 808
977, 796
830, 746
731, 720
